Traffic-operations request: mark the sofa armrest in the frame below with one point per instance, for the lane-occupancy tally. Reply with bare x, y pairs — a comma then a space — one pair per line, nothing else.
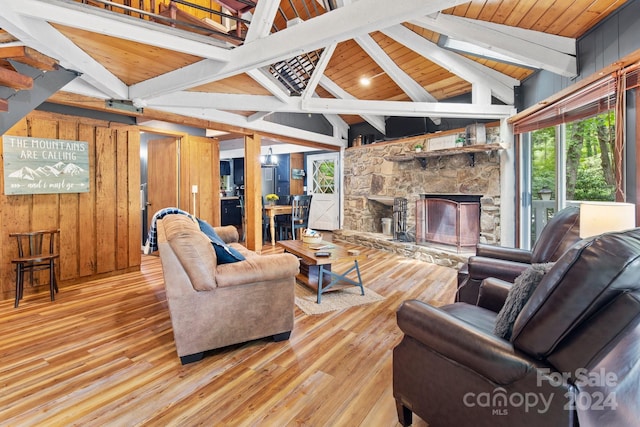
228, 233
462, 342
493, 293
505, 253
257, 269
480, 268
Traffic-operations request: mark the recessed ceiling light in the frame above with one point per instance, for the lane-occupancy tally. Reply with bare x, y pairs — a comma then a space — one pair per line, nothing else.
366, 81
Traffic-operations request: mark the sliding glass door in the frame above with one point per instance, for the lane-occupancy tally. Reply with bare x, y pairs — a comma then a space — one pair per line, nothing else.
565, 164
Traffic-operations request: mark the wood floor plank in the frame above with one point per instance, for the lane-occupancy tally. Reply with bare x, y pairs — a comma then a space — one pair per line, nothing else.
103, 354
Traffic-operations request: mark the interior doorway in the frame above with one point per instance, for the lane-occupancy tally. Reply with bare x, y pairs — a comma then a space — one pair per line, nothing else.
160, 175
323, 183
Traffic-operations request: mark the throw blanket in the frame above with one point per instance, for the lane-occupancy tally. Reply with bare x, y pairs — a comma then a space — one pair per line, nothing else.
152, 237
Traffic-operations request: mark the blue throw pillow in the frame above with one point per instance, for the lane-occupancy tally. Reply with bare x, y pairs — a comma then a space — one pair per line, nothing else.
225, 254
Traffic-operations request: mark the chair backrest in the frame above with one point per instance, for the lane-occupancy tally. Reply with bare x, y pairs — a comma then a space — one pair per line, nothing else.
300, 206
562, 321
34, 243
560, 233
284, 200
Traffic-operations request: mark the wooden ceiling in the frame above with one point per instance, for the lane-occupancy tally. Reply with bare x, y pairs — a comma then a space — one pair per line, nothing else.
128, 60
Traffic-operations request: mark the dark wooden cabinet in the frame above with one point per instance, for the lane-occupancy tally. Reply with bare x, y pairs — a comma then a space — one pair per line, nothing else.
238, 171
283, 175
230, 212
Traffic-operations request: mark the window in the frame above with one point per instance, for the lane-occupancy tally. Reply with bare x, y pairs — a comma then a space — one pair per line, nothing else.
572, 149
569, 163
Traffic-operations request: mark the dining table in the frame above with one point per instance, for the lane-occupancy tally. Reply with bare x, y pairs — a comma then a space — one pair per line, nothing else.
272, 211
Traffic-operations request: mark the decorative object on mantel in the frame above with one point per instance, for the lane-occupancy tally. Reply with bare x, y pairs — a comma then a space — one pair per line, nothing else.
418, 147
424, 155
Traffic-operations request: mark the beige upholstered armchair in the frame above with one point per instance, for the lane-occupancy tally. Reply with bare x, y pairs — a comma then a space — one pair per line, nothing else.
214, 305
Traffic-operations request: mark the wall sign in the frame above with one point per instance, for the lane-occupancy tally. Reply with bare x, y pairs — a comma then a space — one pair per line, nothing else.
45, 166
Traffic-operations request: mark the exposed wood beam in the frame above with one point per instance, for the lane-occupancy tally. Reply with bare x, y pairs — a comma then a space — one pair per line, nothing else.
15, 80
541, 50
500, 84
34, 32
318, 72
259, 115
268, 82
407, 84
376, 121
4, 105
342, 24
262, 20
224, 101
261, 126
93, 19
410, 109
402, 79
31, 57
345, 105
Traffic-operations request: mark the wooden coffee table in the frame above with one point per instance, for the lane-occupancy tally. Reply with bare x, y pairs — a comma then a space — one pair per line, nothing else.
315, 271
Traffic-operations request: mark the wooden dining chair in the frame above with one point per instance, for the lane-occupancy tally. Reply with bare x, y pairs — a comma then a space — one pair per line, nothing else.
299, 220
34, 254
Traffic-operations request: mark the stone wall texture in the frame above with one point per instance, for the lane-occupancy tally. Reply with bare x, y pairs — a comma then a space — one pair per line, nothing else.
369, 172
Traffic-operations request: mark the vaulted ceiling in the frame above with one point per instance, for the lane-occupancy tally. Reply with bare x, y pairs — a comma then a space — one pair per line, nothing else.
301, 56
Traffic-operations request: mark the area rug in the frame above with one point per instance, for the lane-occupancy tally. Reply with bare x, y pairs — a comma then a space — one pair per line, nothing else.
335, 300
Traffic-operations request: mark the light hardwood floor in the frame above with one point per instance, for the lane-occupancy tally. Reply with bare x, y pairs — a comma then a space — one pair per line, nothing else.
103, 354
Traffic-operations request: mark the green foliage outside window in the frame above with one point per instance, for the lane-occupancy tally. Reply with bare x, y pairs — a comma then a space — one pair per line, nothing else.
590, 173
325, 177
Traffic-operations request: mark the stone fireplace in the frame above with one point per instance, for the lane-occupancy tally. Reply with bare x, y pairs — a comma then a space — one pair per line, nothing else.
374, 177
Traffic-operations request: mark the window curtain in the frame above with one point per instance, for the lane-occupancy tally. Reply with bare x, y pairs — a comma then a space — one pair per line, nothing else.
597, 97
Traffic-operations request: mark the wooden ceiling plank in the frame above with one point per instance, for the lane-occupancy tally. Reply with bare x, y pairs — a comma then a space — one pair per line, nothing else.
341, 24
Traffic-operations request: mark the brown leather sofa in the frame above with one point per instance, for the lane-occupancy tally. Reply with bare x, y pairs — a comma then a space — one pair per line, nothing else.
573, 358
215, 305
560, 233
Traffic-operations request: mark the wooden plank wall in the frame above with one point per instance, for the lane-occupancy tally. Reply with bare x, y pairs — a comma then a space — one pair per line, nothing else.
99, 230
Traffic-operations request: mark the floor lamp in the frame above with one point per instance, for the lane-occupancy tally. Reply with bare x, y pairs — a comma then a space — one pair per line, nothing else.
603, 217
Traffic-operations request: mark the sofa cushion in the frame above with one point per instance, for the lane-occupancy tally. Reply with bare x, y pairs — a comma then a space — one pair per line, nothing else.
518, 295
225, 253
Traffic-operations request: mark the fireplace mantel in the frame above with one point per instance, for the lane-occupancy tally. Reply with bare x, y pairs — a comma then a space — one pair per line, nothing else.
385, 200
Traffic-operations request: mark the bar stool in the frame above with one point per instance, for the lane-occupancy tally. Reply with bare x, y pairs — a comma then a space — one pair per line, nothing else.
34, 256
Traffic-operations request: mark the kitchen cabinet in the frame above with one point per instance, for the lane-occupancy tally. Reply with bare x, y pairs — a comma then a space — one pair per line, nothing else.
238, 171
283, 175
230, 211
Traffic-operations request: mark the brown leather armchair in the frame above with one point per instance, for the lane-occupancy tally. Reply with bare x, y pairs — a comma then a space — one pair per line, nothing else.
573, 358
505, 263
